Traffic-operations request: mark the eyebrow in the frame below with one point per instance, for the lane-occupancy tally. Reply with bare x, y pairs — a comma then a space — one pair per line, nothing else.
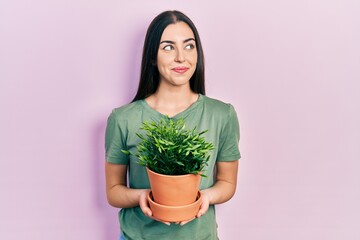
171, 42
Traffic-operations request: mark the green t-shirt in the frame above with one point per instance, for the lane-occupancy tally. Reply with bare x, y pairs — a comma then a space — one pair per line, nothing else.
205, 114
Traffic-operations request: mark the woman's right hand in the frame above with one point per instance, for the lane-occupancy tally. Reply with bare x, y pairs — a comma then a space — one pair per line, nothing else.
144, 205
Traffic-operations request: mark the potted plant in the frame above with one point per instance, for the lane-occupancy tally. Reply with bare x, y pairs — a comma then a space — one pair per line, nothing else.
174, 157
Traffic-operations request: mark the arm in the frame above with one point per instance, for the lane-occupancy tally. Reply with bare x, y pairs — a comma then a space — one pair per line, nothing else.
120, 196
224, 187
117, 192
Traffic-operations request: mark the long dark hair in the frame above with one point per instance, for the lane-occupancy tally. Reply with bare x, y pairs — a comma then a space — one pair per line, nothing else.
149, 76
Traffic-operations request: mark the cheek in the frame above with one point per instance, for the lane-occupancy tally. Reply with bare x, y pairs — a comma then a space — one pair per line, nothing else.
163, 66
164, 60
193, 58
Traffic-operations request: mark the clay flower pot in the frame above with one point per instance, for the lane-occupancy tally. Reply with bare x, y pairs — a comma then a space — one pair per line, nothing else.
174, 213
177, 190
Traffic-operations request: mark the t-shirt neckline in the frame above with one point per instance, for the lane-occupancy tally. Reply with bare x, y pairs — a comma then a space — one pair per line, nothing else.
180, 114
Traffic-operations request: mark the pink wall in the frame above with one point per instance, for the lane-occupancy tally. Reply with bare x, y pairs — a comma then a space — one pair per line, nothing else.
291, 69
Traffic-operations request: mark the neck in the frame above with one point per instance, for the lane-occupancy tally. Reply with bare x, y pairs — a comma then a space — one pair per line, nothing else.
171, 101
174, 95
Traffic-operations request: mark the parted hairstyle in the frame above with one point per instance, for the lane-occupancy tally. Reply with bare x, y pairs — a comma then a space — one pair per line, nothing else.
149, 75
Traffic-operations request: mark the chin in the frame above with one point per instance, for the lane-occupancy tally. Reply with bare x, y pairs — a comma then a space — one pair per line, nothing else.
179, 83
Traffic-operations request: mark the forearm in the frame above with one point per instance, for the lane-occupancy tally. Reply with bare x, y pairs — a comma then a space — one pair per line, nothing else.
117, 192
225, 185
121, 196
221, 192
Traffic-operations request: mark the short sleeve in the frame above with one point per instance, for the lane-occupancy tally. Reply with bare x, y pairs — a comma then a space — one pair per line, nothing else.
229, 138
115, 141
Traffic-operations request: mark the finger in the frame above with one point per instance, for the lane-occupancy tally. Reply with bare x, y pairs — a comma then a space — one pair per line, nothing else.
144, 205
203, 208
146, 210
202, 211
185, 222
164, 222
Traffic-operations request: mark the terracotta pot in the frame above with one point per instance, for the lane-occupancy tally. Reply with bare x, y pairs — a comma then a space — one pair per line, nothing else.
174, 213
175, 190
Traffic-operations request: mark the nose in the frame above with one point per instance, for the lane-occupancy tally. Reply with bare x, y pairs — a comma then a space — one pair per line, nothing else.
179, 56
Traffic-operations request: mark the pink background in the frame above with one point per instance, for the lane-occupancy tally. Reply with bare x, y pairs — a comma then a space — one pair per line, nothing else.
290, 68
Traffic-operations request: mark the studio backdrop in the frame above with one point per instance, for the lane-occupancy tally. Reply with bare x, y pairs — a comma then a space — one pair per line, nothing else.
291, 69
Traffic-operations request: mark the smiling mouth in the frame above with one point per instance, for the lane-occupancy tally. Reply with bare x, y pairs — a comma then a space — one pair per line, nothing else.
180, 69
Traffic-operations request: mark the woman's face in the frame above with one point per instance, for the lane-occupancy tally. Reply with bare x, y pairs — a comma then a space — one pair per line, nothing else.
177, 55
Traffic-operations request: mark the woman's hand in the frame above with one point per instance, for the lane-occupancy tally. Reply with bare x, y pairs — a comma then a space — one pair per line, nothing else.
144, 205
204, 206
223, 189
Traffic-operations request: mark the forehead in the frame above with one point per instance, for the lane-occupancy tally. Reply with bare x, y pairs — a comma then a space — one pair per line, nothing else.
177, 31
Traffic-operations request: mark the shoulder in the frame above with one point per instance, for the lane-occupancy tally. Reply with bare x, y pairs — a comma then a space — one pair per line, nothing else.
218, 107
127, 111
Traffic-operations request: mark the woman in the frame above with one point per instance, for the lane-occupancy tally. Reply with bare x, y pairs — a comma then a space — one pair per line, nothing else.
171, 84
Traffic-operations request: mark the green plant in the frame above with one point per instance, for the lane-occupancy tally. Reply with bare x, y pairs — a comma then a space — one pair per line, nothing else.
169, 148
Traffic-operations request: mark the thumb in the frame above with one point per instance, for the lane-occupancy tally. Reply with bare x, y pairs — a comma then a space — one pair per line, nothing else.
203, 208
144, 205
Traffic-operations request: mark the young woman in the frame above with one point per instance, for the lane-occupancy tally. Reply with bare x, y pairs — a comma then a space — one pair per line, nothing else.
171, 84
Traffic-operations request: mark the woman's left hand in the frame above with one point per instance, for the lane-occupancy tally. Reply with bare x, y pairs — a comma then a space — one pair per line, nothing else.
222, 190
204, 206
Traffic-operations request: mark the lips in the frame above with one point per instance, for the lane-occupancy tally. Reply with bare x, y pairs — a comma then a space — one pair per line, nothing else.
180, 69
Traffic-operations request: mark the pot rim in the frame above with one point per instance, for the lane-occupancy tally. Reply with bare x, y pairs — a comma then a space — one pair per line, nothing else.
198, 198
174, 176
